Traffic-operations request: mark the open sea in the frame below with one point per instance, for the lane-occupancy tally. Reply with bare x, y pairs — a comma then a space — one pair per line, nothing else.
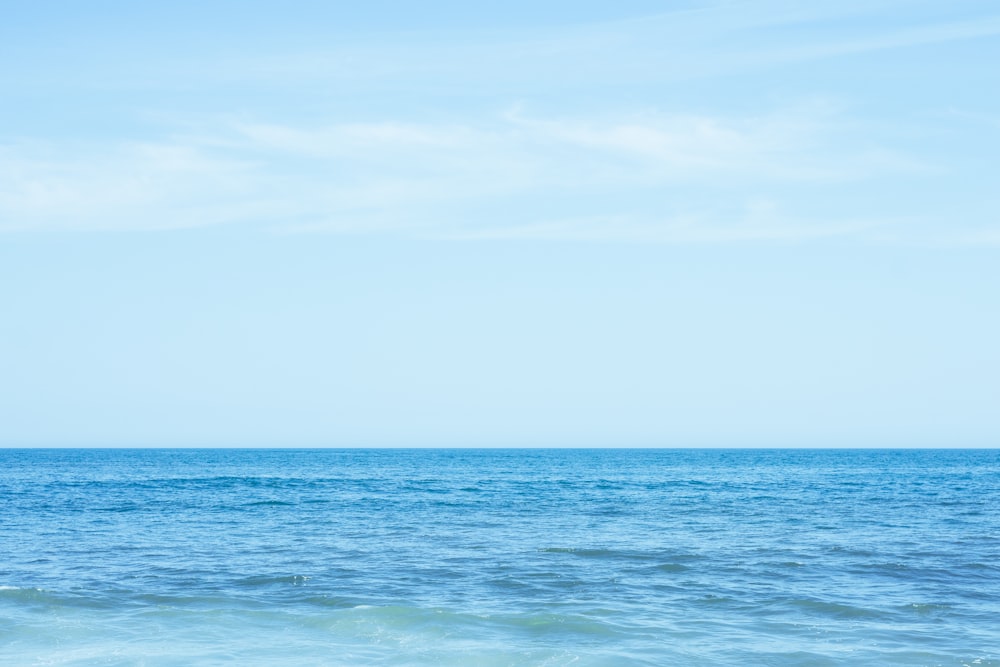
499, 557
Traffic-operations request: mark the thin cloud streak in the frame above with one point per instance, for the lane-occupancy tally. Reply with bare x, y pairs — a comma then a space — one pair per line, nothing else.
394, 176
703, 228
717, 40
679, 46
131, 186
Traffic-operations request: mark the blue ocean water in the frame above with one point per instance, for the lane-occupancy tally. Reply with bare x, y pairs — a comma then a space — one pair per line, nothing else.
499, 557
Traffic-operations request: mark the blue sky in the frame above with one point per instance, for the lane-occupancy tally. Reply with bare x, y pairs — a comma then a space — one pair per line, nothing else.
729, 223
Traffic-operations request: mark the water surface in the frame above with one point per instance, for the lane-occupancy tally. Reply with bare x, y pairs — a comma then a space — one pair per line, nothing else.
499, 557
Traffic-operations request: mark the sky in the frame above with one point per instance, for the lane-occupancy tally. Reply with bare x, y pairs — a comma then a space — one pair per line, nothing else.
708, 223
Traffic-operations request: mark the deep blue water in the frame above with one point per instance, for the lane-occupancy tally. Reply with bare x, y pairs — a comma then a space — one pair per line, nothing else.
499, 557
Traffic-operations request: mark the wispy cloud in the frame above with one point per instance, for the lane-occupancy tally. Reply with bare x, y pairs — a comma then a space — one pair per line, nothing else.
889, 39
718, 39
128, 186
706, 227
605, 143
638, 176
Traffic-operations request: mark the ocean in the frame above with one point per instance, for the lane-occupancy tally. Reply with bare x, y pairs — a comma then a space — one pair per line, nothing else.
499, 557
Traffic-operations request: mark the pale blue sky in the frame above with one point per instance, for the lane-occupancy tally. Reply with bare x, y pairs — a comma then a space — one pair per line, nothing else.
706, 223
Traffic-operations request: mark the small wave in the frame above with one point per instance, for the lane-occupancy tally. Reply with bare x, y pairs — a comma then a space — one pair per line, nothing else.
23, 592
189, 601
599, 553
434, 621
925, 609
672, 567
331, 602
46, 598
833, 609
293, 579
667, 561
561, 623
127, 507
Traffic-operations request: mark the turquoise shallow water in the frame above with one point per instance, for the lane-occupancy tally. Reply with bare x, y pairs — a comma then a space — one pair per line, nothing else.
499, 557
